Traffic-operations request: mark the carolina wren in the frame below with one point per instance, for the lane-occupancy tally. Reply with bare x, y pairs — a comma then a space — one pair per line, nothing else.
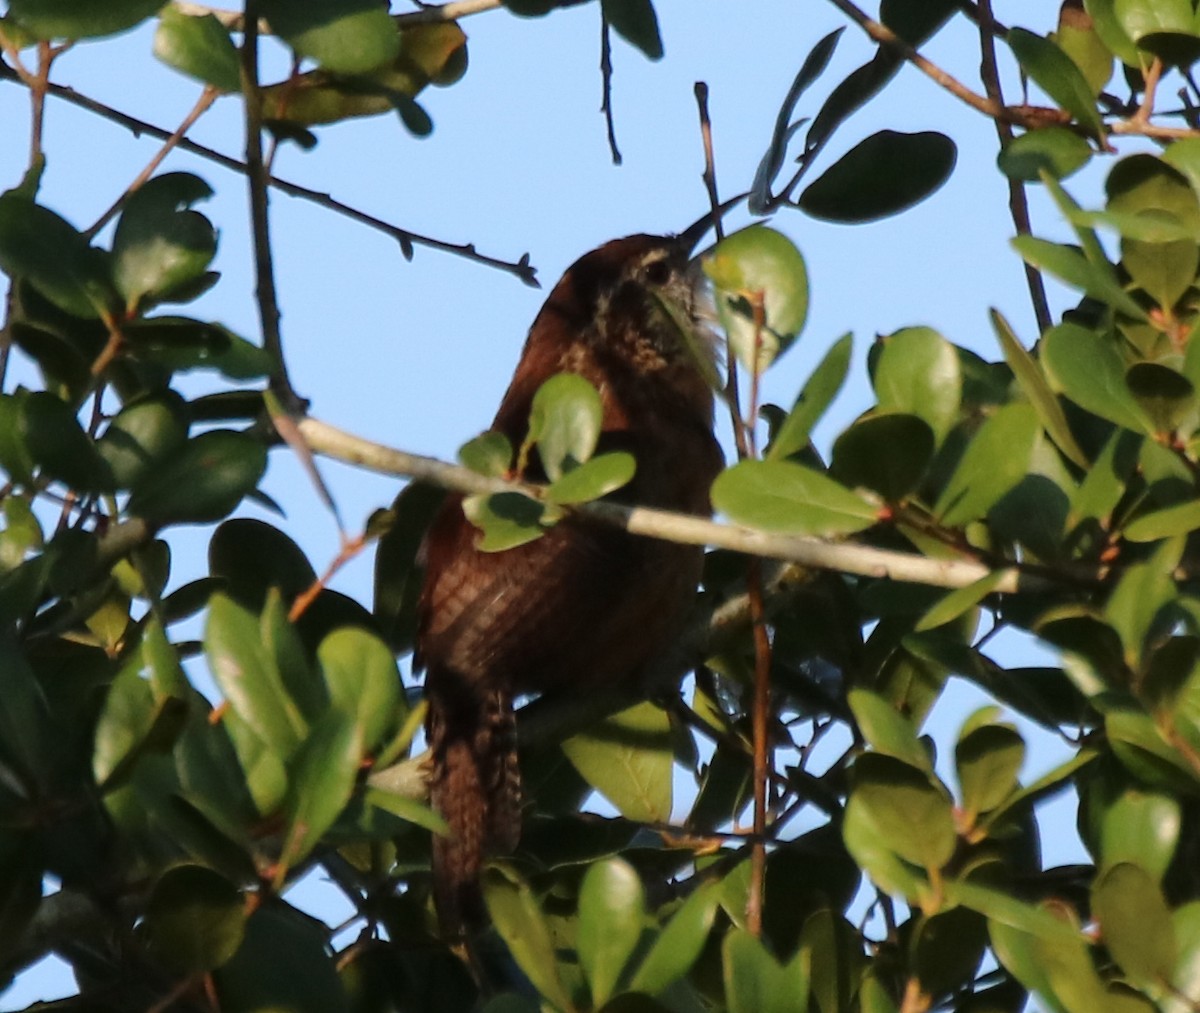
585, 606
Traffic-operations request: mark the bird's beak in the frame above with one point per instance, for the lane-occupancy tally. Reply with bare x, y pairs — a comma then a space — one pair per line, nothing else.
690, 237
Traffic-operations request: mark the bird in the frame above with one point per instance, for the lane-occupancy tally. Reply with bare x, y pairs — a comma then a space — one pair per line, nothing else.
585, 606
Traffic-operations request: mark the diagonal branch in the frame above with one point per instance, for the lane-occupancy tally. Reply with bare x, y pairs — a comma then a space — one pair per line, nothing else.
520, 268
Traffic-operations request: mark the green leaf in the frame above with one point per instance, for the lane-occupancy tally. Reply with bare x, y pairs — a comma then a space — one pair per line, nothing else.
1136, 923
988, 759
397, 582
915, 21
1055, 150
636, 22
818, 393
1164, 394
183, 344
1137, 825
919, 372
786, 497
160, 243
1085, 366
363, 680
888, 732
996, 459
504, 519
1058, 76
759, 271
199, 47
283, 964
628, 759
679, 944
1077, 37
145, 432
322, 782
913, 818
961, 600
755, 982
250, 557
886, 453
195, 919
883, 175
1108, 26
237, 658
59, 446
1033, 382
611, 916
80, 19
488, 453
1141, 592
521, 924
44, 249
565, 421
204, 482
593, 479
343, 36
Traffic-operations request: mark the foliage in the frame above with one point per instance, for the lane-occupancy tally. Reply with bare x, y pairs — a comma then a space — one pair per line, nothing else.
1062, 479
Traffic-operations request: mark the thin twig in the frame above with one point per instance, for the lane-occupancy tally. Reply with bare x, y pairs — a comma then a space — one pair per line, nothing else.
1018, 204
207, 97
256, 179
886, 37
606, 73
520, 268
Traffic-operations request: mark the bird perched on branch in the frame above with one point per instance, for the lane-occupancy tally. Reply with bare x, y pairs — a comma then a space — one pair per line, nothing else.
585, 606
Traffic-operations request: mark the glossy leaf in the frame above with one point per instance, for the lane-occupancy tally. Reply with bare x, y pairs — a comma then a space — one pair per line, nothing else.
988, 759
362, 679
521, 924
628, 759
995, 460
58, 445
1139, 826
593, 479
1135, 921
343, 36
886, 453
145, 432
323, 780
755, 982
678, 945
887, 173
565, 421
204, 482
45, 250
790, 498
961, 600
160, 243
1033, 382
1056, 150
611, 915
1085, 366
1057, 75
1112, 33
199, 47
1077, 37
504, 519
818, 393
233, 646
888, 731
489, 454
912, 818
761, 287
195, 919
918, 372
81, 19
636, 22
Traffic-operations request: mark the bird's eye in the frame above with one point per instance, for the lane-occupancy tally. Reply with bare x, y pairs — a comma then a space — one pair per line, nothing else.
657, 272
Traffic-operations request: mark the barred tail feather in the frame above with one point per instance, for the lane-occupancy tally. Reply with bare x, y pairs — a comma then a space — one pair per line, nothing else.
475, 785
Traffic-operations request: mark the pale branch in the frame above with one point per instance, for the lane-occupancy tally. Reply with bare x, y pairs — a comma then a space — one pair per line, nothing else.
431, 15
407, 239
843, 557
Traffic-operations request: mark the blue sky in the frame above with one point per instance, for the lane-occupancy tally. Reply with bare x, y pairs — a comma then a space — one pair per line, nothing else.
417, 354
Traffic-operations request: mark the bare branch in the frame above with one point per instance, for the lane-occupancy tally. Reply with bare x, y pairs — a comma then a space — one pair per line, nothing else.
521, 268
431, 15
843, 557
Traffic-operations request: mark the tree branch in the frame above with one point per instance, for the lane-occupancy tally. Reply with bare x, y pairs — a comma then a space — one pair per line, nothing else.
431, 15
843, 557
520, 268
